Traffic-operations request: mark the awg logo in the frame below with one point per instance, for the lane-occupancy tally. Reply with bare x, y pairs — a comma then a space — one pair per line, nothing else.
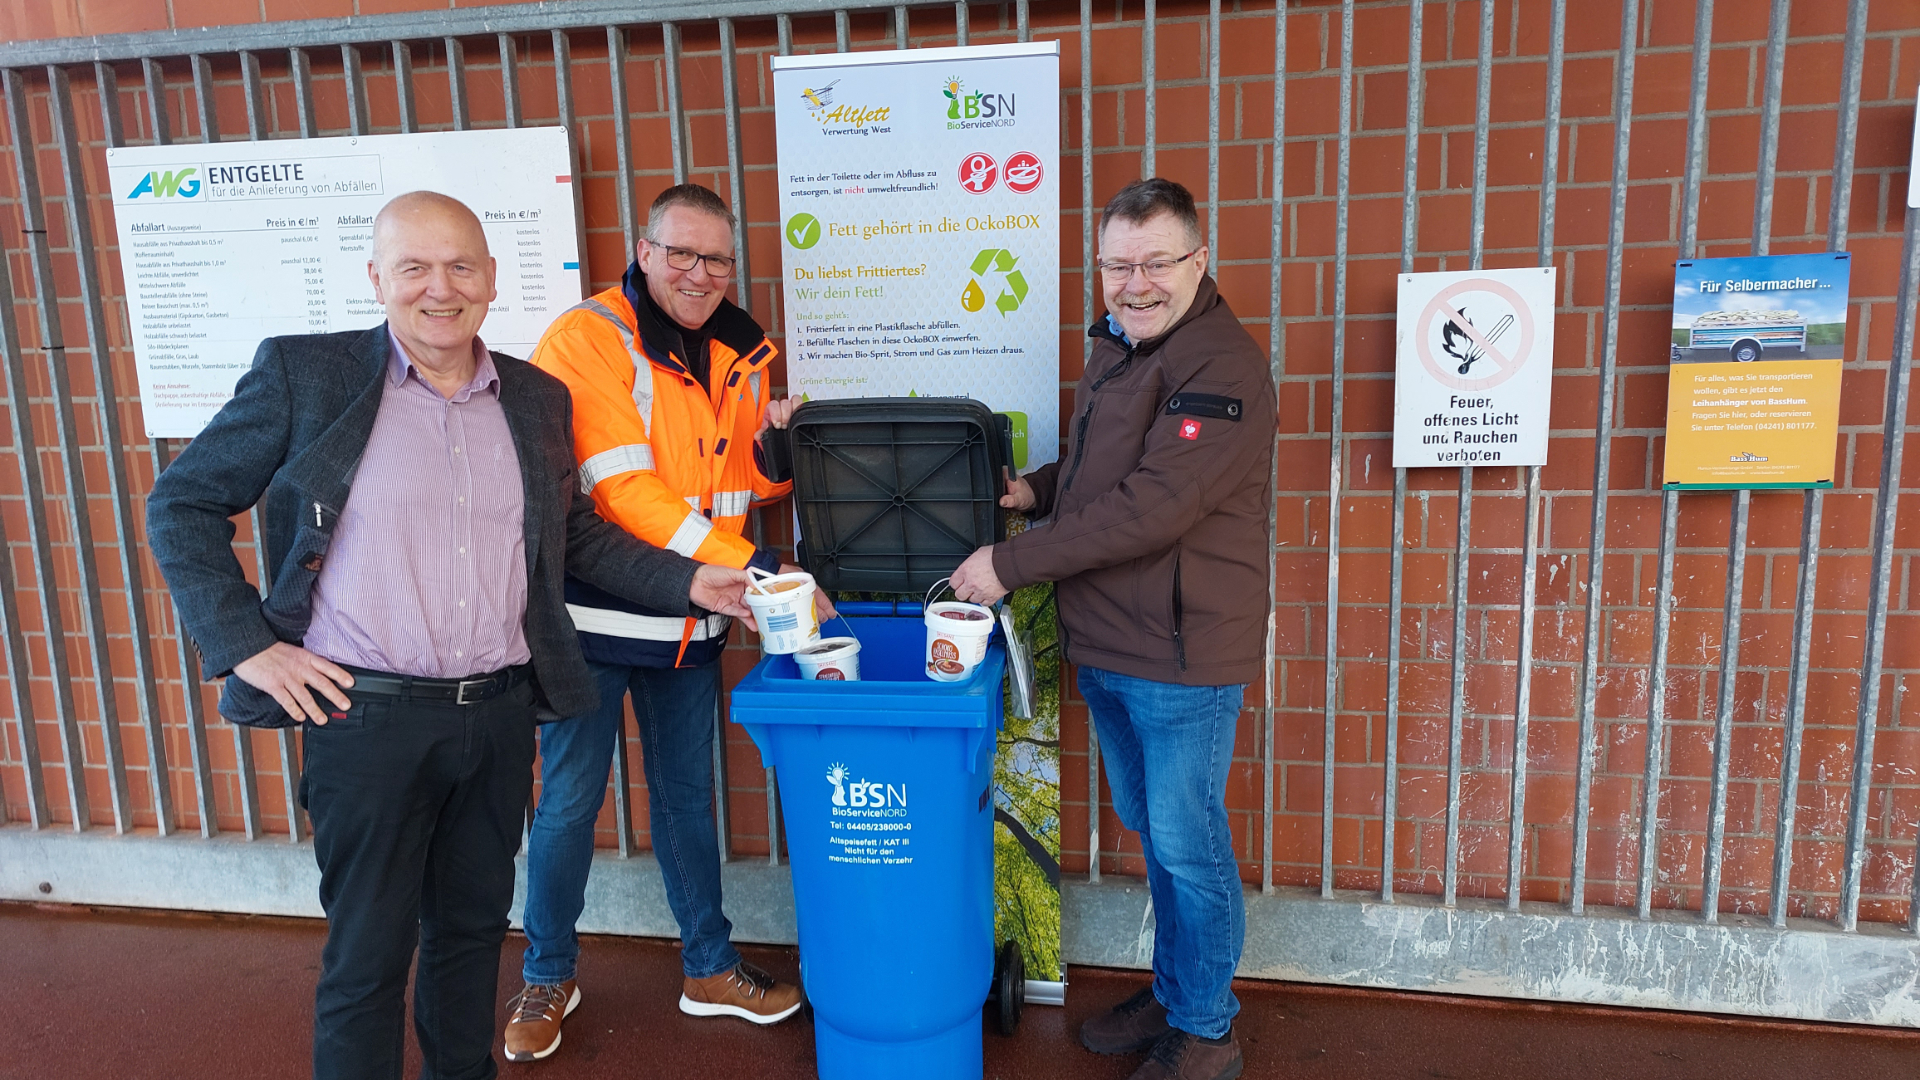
167, 185
978, 173
1023, 172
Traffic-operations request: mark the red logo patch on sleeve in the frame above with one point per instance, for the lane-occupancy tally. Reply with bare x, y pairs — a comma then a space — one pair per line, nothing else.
1189, 429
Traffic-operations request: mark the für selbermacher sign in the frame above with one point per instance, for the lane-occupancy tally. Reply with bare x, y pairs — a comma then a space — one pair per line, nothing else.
225, 244
1473, 367
1753, 382
920, 238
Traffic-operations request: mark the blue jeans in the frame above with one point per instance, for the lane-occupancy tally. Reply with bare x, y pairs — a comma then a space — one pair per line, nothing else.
675, 711
1167, 749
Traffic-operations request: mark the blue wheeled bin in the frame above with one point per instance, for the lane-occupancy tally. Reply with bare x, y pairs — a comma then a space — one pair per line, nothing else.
885, 791
886, 784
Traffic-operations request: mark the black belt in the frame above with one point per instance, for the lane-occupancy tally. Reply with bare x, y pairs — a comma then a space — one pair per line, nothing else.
468, 691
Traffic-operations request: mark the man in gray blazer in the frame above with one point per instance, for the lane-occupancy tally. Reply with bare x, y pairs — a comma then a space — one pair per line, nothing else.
422, 512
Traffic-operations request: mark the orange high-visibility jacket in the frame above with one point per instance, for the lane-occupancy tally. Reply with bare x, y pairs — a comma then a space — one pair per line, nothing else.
671, 461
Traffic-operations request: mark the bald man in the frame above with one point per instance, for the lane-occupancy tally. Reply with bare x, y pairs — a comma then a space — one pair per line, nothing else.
422, 515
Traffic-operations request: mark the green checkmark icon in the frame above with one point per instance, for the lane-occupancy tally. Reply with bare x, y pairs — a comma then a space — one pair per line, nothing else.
803, 231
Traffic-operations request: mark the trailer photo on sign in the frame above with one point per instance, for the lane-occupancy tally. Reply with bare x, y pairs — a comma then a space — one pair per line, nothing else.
1773, 307
1473, 367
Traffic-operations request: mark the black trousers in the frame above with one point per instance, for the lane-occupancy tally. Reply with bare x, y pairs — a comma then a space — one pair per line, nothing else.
417, 813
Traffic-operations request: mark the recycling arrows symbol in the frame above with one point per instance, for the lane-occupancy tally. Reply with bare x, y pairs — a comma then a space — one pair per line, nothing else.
1000, 261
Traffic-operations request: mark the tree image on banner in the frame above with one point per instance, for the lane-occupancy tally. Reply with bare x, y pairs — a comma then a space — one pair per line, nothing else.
995, 261
1026, 806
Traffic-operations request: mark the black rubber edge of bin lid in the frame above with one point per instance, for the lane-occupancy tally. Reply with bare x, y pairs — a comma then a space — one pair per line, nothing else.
879, 552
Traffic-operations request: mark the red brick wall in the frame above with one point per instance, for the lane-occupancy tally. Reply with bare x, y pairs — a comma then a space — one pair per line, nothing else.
1891, 72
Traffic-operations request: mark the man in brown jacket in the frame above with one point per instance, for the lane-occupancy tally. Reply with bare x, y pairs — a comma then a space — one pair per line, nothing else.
1157, 533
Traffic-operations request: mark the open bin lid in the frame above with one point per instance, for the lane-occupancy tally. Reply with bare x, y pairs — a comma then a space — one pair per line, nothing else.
894, 493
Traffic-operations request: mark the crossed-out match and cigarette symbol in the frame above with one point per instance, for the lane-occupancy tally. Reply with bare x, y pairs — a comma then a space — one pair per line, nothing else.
1456, 342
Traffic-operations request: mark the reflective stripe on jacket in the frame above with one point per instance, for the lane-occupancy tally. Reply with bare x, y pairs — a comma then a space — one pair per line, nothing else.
669, 460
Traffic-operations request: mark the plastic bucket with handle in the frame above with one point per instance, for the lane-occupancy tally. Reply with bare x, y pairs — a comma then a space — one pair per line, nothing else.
830, 659
782, 607
957, 634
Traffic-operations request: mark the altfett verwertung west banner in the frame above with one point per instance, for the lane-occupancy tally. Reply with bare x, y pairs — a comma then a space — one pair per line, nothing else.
920, 238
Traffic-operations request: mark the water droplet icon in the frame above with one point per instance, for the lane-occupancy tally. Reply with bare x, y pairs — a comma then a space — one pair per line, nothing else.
973, 299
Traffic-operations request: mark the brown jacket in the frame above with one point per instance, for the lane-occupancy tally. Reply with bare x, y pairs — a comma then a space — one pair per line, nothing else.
1160, 513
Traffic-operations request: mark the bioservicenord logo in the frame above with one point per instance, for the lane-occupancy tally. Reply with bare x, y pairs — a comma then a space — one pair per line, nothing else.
977, 108
862, 793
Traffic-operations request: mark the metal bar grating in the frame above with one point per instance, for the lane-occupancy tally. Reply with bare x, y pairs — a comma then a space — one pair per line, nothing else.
1485, 685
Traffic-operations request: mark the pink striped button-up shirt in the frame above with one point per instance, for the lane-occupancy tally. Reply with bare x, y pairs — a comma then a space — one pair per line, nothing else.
426, 573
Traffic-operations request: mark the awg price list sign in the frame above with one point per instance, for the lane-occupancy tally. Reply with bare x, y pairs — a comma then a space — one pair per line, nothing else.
225, 244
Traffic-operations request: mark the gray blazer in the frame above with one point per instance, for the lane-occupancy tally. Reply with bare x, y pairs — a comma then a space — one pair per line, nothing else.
294, 432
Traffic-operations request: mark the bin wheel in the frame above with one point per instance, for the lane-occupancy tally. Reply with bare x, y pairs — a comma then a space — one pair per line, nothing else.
1009, 986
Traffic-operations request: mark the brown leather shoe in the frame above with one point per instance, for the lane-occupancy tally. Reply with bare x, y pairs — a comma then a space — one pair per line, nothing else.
745, 992
1131, 1026
533, 1019
1183, 1056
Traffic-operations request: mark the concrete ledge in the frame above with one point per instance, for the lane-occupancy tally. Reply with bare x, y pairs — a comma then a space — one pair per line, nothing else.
1740, 966
273, 877
626, 896
182, 873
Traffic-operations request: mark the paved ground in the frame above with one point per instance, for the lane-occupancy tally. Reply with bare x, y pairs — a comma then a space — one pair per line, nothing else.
126, 996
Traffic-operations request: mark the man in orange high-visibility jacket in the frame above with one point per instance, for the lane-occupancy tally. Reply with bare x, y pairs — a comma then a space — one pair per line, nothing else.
671, 393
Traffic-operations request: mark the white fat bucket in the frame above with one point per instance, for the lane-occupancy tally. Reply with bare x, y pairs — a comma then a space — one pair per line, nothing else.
782, 607
957, 634
834, 659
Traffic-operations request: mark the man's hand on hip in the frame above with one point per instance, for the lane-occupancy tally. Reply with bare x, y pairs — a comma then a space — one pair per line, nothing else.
719, 589
975, 580
288, 671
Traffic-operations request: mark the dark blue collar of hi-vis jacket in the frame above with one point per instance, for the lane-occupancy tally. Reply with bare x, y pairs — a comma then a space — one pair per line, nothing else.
662, 341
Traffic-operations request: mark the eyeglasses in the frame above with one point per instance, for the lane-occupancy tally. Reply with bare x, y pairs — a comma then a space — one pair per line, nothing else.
683, 259
1156, 270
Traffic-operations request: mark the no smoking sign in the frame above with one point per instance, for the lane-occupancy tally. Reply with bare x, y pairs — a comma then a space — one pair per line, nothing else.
1473, 368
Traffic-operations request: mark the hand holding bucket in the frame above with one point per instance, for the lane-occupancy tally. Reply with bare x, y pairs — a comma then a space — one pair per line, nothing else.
957, 634
823, 609
782, 605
